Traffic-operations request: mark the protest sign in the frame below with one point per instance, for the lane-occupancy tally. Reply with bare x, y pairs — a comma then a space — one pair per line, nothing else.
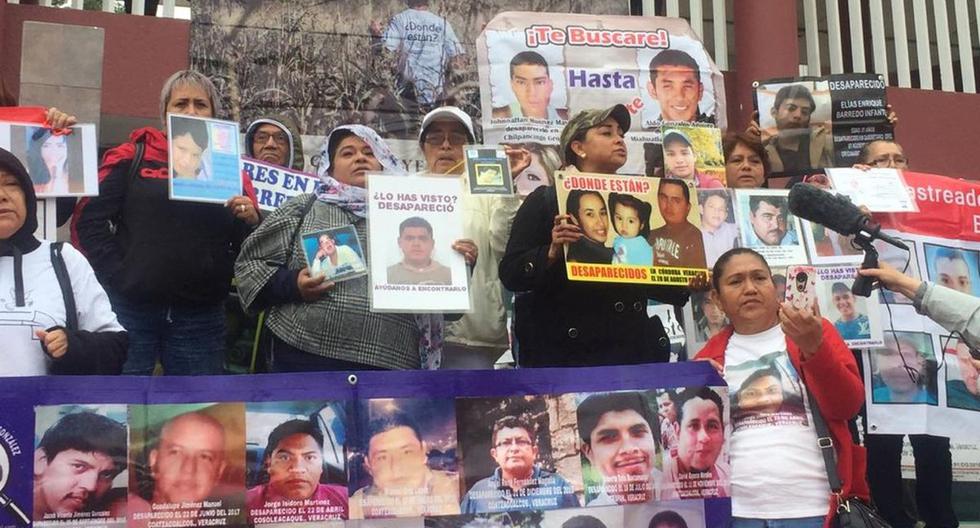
335, 254
718, 226
767, 226
880, 190
204, 158
535, 75
644, 245
413, 224
857, 319
274, 184
59, 164
943, 397
694, 153
813, 123
488, 171
408, 445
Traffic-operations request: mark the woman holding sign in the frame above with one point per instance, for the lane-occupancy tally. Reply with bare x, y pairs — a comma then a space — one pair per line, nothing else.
566, 323
314, 324
166, 264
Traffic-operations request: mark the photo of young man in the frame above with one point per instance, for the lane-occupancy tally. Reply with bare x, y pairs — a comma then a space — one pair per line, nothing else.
531, 83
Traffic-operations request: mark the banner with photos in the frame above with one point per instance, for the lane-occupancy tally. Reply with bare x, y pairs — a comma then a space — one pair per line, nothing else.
392, 448
813, 123
924, 380
538, 70
634, 229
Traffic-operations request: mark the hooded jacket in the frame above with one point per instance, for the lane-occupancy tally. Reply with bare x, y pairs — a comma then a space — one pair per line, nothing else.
288, 126
31, 299
149, 249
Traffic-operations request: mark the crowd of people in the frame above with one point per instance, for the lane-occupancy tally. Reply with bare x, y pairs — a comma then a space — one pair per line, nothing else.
147, 284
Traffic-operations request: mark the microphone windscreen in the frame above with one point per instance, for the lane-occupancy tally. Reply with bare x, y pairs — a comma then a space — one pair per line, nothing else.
833, 211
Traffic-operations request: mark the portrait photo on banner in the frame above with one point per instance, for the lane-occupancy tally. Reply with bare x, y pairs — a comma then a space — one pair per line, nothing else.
336, 254
403, 459
166, 437
953, 267
205, 159
856, 318
59, 164
718, 226
826, 246
80, 471
631, 223
905, 261
962, 374
526, 84
795, 118
666, 514
676, 84
767, 226
296, 466
905, 370
515, 458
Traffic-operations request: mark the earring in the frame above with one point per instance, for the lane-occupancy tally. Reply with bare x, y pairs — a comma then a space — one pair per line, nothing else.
583, 156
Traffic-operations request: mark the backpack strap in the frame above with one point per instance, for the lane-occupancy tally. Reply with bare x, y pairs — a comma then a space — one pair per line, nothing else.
134, 166
64, 281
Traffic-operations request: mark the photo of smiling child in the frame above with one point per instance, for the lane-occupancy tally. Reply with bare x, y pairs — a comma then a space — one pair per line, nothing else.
631, 220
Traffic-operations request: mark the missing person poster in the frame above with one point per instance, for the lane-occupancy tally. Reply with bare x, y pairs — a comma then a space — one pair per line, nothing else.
274, 184
335, 254
379, 449
412, 226
634, 229
694, 153
488, 171
296, 469
767, 226
205, 159
538, 71
813, 123
857, 319
164, 439
59, 164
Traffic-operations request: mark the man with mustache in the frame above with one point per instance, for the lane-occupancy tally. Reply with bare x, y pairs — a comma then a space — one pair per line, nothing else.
678, 242
696, 471
768, 217
275, 140
293, 461
517, 481
797, 147
75, 464
618, 439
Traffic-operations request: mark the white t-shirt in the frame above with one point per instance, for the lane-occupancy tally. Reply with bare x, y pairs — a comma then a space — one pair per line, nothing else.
425, 42
21, 353
777, 469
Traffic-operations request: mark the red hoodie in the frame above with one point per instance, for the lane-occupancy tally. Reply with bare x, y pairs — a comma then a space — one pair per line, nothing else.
833, 378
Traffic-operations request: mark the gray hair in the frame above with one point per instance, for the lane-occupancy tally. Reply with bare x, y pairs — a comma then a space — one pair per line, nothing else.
193, 78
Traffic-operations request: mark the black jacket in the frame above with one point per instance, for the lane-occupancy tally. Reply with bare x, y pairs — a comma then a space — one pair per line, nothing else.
569, 323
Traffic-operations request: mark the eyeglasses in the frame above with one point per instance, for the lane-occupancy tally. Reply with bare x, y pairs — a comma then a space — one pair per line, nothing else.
455, 139
894, 161
519, 442
263, 138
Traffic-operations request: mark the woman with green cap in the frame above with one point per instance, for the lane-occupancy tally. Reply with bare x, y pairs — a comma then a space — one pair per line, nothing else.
567, 323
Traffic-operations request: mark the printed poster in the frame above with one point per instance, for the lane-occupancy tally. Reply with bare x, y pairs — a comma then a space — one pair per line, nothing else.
538, 71
813, 123
488, 171
412, 225
335, 254
694, 153
274, 185
767, 226
205, 159
59, 165
857, 319
634, 229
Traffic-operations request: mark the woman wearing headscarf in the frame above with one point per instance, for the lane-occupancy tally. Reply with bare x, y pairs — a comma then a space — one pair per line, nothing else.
166, 264
38, 293
313, 324
569, 323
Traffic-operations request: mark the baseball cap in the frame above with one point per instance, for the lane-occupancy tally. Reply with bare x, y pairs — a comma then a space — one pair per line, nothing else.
449, 113
587, 119
676, 135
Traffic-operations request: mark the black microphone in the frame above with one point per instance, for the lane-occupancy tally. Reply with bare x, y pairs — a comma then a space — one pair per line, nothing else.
835, 212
